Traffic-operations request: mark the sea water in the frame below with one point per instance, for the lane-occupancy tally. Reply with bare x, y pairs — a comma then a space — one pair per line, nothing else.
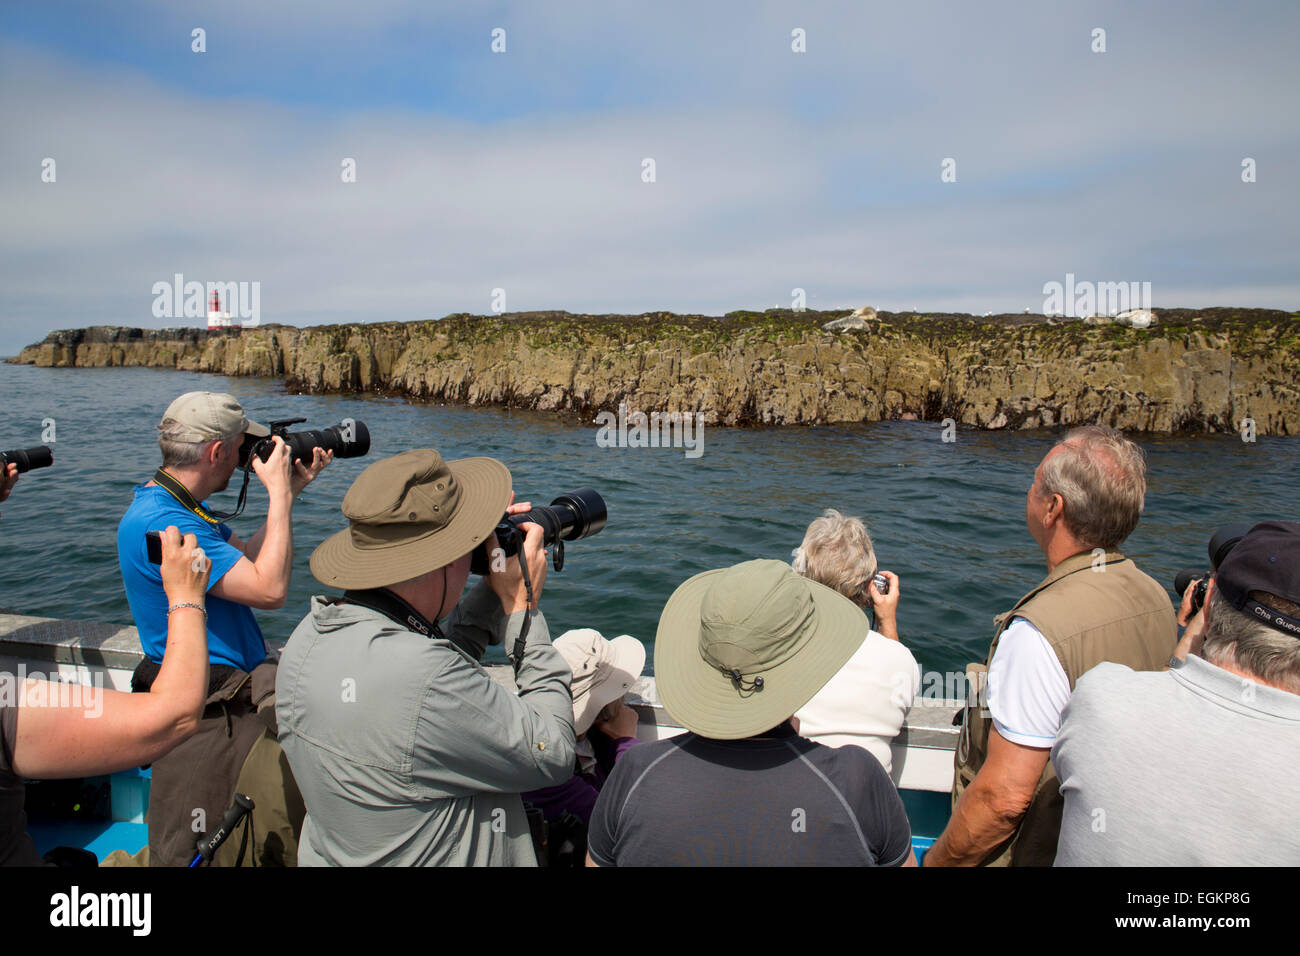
947, 516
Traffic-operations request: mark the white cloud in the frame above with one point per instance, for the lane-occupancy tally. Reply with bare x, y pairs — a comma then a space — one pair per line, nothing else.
1120, 167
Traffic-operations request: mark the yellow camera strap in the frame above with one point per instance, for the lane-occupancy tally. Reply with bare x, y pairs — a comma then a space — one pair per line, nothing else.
182, 494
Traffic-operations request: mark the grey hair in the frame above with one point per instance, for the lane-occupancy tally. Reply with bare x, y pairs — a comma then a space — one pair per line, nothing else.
1101, 477
837, 552
1235, 639
177, 451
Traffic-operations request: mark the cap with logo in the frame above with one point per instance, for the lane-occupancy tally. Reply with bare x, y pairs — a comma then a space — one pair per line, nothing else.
208, 416
739, 650
411, 514
1267, 558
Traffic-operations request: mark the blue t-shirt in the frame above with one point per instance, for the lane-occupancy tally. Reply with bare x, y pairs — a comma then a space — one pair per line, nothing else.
234, 639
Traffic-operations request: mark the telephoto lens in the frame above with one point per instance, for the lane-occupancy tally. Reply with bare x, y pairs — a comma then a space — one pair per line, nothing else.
28, 458
346, 440
567, 518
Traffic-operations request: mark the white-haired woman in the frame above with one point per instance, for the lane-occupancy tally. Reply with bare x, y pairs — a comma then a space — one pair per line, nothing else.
867, 701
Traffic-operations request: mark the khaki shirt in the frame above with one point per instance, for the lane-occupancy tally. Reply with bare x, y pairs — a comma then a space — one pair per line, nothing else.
406, 751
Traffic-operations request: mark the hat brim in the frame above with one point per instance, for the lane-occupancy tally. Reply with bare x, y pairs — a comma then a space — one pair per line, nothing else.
628, 665
704, 700
484, 496
253, 428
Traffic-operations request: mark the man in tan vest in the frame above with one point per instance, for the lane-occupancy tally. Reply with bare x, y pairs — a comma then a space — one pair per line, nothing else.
1093, 606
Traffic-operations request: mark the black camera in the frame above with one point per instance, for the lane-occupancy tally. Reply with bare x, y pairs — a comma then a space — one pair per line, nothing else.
567, 518
27, 458
348, 439
1223, 541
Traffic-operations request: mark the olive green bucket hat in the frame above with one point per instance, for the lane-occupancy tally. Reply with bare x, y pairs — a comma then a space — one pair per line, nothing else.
411, 514
741, 649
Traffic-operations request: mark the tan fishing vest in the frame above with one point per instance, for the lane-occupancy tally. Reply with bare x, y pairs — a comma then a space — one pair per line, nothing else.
1090, 610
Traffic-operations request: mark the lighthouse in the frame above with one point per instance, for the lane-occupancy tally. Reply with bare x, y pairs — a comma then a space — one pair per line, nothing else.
217, 318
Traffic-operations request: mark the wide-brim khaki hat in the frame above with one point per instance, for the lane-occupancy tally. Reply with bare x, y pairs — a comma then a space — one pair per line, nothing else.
411, 514
740, 650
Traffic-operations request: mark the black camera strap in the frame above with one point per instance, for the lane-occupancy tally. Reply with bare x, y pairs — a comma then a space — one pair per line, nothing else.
187, 500
522, 640
400, 612
385, 602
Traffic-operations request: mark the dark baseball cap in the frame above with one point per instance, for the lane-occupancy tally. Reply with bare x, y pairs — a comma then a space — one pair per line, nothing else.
1267, 558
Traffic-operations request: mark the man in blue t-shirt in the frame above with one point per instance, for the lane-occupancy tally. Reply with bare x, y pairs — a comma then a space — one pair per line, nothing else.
236, 640
200, 436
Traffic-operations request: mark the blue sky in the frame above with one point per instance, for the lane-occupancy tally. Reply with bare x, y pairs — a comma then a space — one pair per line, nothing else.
521, 170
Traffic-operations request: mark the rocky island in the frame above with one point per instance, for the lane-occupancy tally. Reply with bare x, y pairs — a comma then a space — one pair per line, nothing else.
1192, 371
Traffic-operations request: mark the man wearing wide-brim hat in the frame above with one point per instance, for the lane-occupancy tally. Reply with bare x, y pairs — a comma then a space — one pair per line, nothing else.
406, 751
737, 653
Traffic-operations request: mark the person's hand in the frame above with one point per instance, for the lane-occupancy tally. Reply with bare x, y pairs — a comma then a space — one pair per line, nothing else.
886, 606
184, 568
1185, 613
1193, 638
276, 473
8, 480
508, 582
622, 724
304, 475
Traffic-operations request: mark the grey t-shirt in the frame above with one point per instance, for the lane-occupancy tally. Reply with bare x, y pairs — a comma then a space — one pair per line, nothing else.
1194, 766
16, 848
781, 800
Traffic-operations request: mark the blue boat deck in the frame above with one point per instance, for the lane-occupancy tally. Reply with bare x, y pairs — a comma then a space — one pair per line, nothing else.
129, 798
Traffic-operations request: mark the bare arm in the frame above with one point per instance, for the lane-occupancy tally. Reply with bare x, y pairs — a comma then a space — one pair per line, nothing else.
886, 606
75, 732
261, 578
1193, 638
992, 806
303, 476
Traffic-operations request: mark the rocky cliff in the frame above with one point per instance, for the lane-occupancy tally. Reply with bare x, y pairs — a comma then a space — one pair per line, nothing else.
1197, 371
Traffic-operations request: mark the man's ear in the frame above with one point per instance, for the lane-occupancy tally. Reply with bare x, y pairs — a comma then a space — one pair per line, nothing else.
214, 452
1055, 510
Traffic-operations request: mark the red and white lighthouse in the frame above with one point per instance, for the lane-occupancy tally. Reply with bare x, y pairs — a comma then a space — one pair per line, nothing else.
218, 318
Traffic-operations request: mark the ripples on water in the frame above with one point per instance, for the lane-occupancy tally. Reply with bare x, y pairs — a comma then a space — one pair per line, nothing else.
947, 517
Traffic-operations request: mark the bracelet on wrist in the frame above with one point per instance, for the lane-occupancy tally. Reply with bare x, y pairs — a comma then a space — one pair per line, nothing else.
197, 607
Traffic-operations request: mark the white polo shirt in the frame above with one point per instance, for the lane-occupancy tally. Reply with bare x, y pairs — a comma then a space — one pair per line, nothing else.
1027, 687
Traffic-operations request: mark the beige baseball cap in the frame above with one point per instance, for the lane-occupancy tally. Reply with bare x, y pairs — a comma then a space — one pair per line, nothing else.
208, 416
